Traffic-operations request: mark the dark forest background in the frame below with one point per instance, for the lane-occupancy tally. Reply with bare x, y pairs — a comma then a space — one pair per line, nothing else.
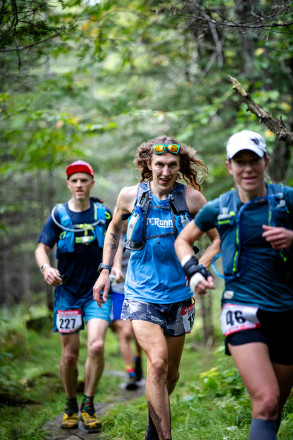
93, 79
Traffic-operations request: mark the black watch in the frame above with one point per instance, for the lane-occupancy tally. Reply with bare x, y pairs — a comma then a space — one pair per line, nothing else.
104, 266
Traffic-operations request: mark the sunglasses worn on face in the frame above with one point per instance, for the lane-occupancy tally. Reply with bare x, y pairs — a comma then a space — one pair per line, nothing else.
161, 148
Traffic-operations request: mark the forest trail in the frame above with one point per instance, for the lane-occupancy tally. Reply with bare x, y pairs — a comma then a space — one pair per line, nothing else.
54, 432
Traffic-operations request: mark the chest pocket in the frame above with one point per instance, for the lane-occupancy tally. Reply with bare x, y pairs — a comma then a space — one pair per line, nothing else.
138, 221
71, 233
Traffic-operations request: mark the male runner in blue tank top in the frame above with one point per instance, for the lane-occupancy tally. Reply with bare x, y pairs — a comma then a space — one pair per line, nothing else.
256, 229
78, 228
158, 302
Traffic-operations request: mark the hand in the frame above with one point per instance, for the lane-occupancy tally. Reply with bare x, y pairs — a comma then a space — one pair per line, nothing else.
199, 278
117, 272
52, 276
201, 288
280, 238
101, 288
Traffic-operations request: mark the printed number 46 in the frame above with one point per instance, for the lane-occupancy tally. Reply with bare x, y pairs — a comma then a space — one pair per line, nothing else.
231, 317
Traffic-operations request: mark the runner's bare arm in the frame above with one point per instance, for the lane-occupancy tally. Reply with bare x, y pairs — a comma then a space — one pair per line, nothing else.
195, 201
184, 251
50, 274
124, 206
185, 240
212, 250
116, 271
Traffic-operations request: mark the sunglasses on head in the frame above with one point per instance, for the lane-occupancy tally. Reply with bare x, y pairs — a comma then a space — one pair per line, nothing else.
161, 148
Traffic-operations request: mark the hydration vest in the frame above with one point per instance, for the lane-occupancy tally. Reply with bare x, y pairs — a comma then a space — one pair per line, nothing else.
67, 238
137, 223
229, 227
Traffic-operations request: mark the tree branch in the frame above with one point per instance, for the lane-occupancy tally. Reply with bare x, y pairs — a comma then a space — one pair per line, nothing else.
252, 26
275, 125
36, 43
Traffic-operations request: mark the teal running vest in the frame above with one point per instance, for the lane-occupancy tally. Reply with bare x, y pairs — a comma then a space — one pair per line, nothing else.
229, 227
67, 238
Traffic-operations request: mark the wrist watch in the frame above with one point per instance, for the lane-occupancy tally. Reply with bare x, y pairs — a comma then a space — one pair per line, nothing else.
44, 267
104, 266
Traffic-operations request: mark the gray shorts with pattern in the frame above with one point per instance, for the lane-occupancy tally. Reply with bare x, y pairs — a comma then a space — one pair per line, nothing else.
167, 316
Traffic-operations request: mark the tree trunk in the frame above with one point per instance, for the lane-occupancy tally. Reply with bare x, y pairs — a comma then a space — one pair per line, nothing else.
207, 323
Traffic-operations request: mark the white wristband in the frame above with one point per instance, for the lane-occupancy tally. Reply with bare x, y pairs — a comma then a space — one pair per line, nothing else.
44, 267
185, 259
194, 280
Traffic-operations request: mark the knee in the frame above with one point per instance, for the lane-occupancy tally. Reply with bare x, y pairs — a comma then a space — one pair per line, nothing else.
159, 369
267, 403
127, 334
69, 359
96, 348
124, 329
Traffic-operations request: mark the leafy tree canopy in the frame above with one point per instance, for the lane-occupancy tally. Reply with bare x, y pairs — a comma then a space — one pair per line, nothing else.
93, 79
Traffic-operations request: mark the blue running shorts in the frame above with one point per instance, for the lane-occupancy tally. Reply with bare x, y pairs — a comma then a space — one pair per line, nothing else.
70, 312
117, 303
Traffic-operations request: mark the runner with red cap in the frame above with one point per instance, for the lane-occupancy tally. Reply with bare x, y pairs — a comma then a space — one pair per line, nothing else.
78, 228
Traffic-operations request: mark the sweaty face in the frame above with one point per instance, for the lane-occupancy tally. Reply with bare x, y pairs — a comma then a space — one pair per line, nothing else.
80, 185
248, 171
164, 168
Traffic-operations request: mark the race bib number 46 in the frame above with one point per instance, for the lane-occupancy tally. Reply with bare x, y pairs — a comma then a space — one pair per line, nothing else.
188, 314
68, 321
237, 317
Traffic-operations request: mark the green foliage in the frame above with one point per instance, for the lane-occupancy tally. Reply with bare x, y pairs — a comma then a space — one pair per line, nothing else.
29, 367
209, 401
23, 22
92, 80
206, 404
98, 78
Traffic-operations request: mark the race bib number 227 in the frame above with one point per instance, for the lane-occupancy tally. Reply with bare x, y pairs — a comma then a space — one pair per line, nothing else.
68, 321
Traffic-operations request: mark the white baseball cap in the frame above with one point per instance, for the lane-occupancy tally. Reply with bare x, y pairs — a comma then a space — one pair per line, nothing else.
245, 140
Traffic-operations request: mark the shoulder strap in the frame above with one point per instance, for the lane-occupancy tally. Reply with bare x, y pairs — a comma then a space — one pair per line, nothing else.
276, 189
142, 195
227, 203
177, 199
96, 199
275, 199
63, 213
141, 199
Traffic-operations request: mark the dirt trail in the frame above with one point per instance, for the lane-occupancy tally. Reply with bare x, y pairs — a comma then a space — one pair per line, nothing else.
54, 432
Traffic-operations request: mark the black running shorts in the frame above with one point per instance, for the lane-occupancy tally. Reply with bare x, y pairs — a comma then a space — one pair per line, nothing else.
276, 331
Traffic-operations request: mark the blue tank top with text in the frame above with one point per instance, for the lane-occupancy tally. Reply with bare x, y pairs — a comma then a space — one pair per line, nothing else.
154, 273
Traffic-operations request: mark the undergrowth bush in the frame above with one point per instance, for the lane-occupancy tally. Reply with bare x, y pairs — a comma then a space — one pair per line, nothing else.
208, 403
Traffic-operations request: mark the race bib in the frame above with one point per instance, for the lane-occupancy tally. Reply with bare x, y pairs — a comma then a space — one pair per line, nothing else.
68, 321
188, 314
237, 317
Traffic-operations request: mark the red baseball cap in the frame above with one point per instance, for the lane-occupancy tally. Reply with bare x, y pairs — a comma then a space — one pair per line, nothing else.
79, 166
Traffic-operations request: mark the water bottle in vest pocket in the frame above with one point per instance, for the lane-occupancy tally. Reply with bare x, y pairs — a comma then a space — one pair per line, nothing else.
134, 235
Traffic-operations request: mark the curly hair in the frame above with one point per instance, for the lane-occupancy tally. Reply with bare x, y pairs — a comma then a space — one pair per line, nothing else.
192, 170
